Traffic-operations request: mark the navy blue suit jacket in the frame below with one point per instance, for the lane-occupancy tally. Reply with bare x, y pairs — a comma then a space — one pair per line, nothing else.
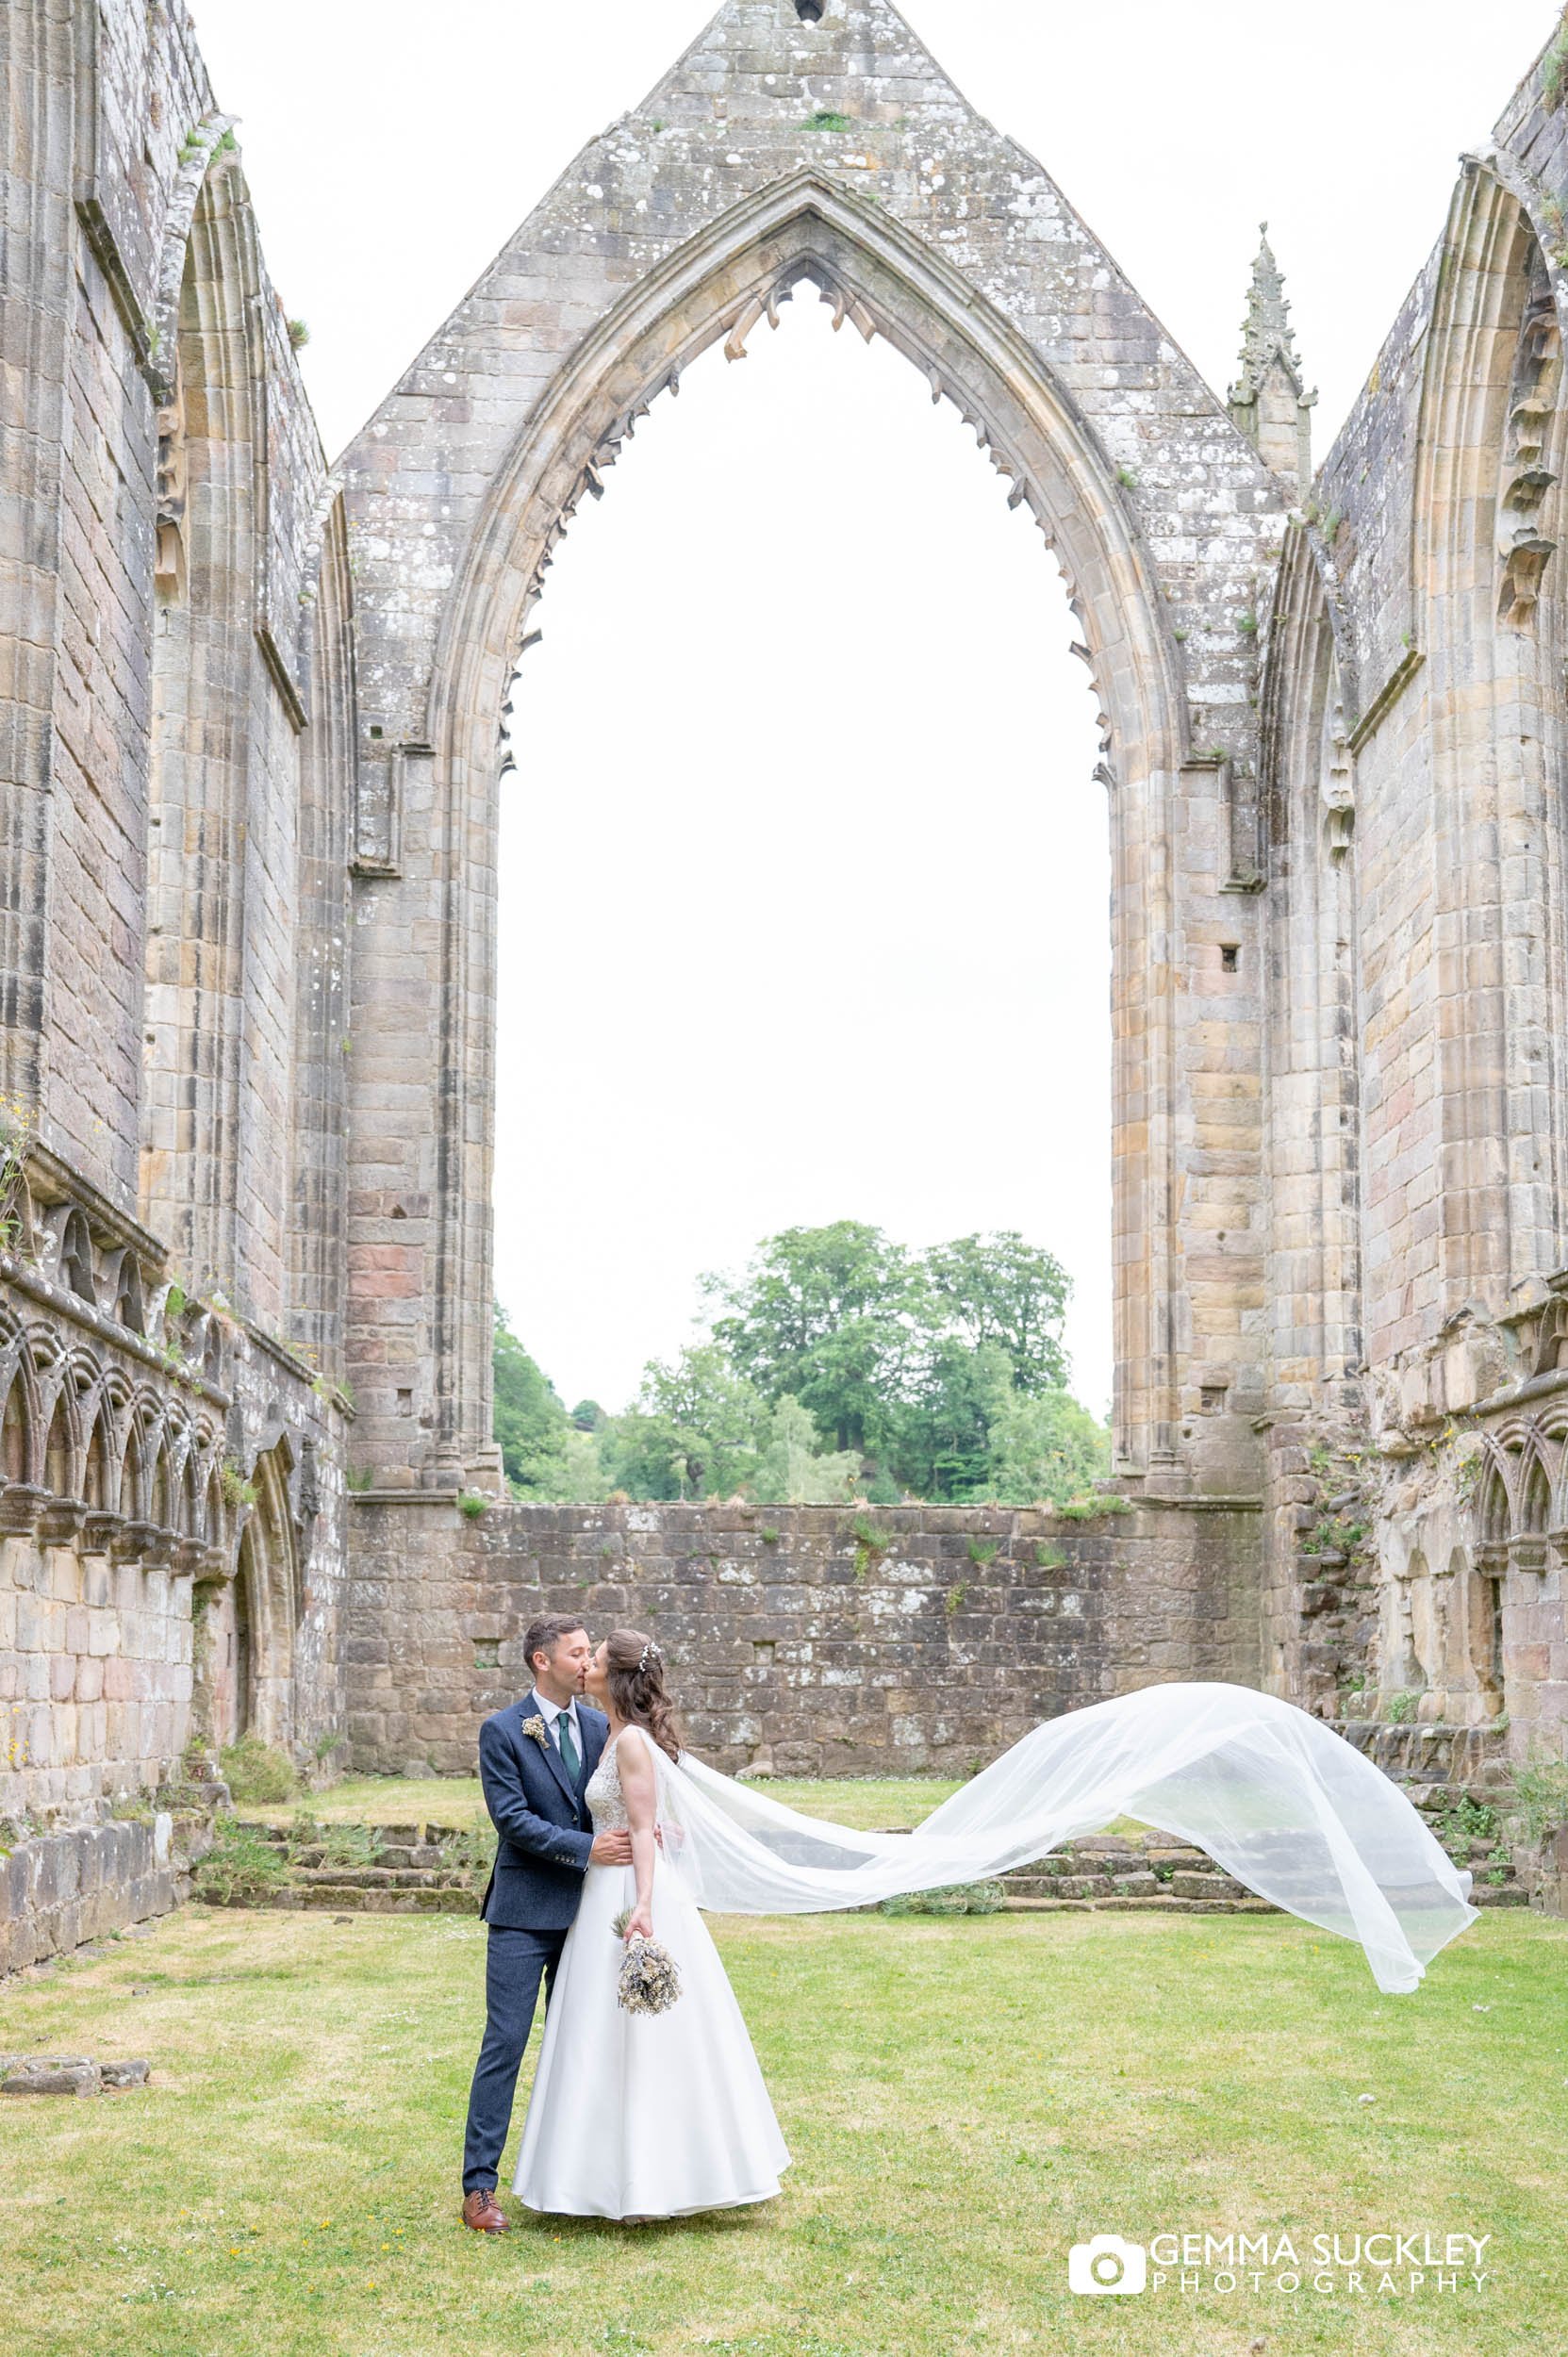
538, 1810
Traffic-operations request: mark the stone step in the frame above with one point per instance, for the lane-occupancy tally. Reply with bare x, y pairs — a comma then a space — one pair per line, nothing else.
349, 1898
380, 1877
1028, 1883
1138, 1905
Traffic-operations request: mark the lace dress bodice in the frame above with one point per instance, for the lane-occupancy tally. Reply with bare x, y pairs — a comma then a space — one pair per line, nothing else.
603, 1793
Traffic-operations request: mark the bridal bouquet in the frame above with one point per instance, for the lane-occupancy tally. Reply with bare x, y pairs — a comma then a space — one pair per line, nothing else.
650, 1977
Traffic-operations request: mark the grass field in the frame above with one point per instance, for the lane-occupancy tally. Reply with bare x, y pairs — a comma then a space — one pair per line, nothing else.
964, 2101
887, 1803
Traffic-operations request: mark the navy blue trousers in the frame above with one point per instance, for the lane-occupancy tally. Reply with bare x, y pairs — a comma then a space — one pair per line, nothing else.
514, 1965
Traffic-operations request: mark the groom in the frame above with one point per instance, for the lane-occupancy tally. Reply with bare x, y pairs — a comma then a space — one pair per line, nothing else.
535, 1761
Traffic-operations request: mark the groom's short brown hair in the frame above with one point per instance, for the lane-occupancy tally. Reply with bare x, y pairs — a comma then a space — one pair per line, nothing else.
545, 1635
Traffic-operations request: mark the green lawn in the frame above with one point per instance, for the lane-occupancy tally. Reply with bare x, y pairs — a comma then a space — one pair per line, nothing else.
964, 2101
880, 1803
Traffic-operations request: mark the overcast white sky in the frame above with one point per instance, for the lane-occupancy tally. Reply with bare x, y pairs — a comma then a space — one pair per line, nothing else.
804, 879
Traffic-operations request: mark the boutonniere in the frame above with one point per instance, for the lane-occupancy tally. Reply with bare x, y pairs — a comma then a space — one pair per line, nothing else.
537, 1728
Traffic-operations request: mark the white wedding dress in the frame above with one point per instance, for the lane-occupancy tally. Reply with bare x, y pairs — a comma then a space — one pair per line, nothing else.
658, 2117
636, 2114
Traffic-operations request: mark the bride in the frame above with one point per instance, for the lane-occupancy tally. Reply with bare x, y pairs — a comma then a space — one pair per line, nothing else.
635, 2116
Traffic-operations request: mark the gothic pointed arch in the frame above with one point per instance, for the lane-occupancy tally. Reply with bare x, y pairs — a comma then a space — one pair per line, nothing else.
1485, 519
517, 411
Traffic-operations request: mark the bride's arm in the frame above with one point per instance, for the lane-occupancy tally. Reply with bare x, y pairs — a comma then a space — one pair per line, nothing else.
640, 1789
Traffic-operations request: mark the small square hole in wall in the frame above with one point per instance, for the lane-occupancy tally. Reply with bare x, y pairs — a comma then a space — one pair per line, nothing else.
1230, 956
406, 1403
1213, 1398
374, 729
763, 1649
809, 11
487, 1653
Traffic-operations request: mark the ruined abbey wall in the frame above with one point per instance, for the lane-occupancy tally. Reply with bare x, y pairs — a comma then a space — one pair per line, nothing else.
801, 1640
251, 741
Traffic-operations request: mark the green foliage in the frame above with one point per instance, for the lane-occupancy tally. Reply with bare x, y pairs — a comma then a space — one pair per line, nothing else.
1126, 477
998, 1289
255, 1771
694, 1431
1554, 69
359, 1478
793, 1468
1247, 624
550, 1458
473, 1504
1553, 219
903, 1358
1049, 1559
241, 1864
841, 1366
771, 1536
984, 1552
347, 1845
1464, 1822
1542, 1791
954, 1600
299, 335
236, 1489
871, 1544
965, 1899
1095, 1507
824, 1316
1401, 1710
825, 120
470, 1850
1046, 1451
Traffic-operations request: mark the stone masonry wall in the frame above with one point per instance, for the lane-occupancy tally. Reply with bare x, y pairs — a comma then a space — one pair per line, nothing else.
793, 1644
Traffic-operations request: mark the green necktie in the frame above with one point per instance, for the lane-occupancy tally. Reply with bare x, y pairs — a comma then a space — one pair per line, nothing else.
568, 1749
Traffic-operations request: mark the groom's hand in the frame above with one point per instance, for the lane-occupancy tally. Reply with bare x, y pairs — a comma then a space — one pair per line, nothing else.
611, 1849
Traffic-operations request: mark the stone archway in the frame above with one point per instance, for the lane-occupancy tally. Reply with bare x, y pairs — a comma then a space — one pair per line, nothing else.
652, 247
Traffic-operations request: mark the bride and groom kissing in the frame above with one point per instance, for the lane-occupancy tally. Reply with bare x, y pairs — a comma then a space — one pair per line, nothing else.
633, 2117
611, 1841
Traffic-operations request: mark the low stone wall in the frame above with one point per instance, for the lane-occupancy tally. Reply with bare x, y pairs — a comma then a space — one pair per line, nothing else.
793, 1646
58, 1889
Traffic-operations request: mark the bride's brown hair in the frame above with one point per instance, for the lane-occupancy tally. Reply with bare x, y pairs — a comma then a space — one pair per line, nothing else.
633, 1671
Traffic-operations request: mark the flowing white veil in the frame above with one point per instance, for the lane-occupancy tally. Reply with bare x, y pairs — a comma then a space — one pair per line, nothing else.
1279, 1800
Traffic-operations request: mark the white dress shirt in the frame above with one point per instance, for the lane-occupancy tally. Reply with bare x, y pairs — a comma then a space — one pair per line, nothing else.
553, 1714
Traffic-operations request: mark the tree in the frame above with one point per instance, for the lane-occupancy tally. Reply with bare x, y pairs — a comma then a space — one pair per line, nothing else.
1000, 1291
794, 1471
826, 1316
532, 1425
942, 1435
1045, 1449
695, 1430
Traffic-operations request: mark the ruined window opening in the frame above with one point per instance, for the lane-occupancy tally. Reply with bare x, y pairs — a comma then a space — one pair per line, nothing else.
1213, 1397
809, 11
406, 1403
1230, 956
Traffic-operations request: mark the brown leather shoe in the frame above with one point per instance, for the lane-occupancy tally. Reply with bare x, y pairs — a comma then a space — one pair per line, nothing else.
482, 2211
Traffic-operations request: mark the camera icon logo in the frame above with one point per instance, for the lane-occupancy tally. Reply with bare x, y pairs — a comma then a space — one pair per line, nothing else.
1107, 2265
